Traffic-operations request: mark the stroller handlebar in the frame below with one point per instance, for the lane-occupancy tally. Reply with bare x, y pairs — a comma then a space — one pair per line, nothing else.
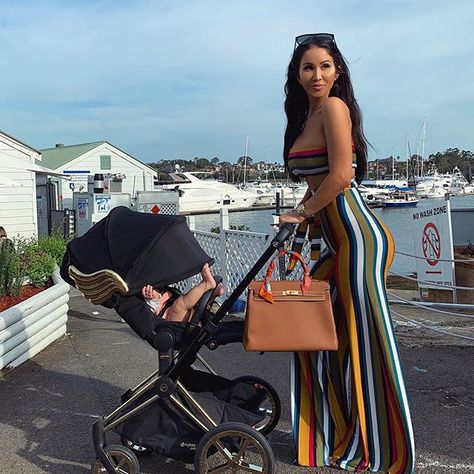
285, 232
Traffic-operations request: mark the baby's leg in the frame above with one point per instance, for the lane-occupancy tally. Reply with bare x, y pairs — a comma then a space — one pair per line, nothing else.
180, 311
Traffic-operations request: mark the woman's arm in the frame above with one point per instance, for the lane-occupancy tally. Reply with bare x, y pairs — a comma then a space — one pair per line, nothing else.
338, 133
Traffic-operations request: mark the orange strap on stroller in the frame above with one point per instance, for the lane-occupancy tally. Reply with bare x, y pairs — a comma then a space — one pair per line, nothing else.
265, 290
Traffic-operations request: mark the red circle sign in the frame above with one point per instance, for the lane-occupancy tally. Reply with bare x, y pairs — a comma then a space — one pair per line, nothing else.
431, 244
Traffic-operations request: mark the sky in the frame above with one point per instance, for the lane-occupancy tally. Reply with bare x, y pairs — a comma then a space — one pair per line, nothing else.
182, 79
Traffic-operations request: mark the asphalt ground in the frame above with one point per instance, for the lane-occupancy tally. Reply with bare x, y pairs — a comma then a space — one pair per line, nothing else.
48, 404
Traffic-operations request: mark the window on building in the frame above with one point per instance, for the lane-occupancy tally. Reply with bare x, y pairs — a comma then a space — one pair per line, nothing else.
105, 162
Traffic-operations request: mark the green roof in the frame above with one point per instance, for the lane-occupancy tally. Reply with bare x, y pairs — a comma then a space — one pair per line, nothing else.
56, 157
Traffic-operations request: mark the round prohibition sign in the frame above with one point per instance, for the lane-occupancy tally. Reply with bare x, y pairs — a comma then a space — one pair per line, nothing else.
431, 243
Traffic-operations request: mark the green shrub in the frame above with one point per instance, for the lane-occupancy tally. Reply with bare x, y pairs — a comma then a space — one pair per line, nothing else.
54, 245
37, 264
29, 260
11, 277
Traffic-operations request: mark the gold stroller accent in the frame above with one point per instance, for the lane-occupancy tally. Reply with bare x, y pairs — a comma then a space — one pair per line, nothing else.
99, 286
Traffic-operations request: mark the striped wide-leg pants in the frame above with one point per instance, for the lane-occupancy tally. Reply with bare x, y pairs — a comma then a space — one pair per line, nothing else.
349, 407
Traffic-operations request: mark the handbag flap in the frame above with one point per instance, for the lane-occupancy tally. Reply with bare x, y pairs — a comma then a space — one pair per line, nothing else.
292, 295
316, 286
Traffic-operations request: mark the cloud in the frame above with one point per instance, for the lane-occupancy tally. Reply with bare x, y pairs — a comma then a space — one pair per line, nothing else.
166, 79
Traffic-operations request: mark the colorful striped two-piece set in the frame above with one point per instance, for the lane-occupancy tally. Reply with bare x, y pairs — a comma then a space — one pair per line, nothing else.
349, 407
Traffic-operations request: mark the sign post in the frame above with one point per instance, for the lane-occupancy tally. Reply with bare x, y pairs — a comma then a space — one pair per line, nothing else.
434, 243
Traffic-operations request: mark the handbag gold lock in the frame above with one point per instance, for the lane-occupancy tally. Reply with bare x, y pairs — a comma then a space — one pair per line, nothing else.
290, 292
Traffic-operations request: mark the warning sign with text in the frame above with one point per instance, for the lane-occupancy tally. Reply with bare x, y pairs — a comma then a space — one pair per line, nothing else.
434, 245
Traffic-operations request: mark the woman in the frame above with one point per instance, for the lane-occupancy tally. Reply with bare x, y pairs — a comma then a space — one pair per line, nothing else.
349, 407
5, 242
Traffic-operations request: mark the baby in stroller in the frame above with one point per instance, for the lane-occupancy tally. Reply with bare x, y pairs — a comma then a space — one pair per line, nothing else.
180, 308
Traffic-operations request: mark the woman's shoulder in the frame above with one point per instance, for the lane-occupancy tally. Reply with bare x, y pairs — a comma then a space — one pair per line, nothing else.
335, 112
334, 105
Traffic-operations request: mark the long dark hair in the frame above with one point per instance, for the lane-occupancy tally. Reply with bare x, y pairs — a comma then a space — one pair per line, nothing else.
297, 104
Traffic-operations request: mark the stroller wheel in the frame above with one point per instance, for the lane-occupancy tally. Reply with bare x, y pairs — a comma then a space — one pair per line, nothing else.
234, 447
123, 460
136, 448
272, 404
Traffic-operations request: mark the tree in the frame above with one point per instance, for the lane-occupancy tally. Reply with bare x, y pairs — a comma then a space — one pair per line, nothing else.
215, 161
445, 161
203, 163
244, 161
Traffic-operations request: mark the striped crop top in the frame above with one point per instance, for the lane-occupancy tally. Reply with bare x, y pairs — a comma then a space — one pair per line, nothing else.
308, 161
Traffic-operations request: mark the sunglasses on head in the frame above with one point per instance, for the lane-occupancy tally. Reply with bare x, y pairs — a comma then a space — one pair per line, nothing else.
307, 39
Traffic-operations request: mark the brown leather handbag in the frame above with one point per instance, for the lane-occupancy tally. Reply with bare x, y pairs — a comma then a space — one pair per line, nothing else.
289, 315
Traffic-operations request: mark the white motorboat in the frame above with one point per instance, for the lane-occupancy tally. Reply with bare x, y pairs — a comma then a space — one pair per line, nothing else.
263, 190
200, 195
385, 183
372, 195
290, 195
459, 184
434, 185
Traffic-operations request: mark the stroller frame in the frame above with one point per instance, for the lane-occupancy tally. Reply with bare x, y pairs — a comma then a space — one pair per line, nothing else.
171, 365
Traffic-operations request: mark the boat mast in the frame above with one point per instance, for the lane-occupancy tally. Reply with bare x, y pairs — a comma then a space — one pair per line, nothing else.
393, 165
420, 151
423, 137
408, 151
245, 158
265, 169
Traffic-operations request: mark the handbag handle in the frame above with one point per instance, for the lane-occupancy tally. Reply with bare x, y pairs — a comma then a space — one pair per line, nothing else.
265, 290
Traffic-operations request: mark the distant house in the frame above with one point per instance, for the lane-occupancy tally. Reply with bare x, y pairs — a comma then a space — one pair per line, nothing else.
122, 172
18, 207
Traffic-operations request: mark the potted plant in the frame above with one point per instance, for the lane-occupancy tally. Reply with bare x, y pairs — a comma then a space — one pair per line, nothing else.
33, 298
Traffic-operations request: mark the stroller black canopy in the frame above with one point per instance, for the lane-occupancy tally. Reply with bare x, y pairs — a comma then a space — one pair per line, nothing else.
142, 248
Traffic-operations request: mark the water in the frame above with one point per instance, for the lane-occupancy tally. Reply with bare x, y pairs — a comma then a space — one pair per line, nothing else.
398, 221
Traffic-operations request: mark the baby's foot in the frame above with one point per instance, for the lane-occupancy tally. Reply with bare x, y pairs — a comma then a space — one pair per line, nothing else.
150, 293
207, 278
218, 291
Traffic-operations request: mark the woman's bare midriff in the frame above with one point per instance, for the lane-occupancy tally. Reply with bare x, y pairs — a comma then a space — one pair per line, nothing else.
315, 181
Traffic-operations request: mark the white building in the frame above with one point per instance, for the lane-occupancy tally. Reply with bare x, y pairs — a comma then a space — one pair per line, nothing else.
18, 211
126, 174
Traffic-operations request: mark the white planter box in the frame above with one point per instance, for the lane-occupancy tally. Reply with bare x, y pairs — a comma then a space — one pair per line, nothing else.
30, 326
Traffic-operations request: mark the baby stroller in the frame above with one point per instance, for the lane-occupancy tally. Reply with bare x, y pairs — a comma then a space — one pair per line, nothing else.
179, 411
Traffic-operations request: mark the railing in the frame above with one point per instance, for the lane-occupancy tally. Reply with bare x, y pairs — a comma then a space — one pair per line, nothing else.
433, 307
236, 251
63, 222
